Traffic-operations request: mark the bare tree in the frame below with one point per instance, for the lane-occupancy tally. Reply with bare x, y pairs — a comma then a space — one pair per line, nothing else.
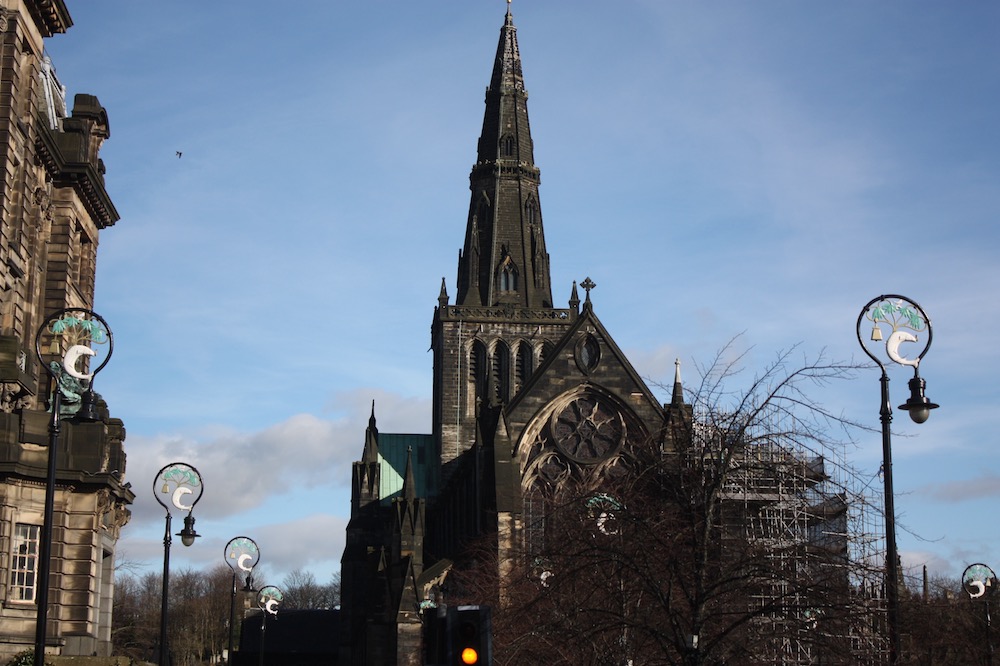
730, 543
135, 617
300, 591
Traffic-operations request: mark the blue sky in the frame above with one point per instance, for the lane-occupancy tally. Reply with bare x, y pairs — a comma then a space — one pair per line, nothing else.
718, 169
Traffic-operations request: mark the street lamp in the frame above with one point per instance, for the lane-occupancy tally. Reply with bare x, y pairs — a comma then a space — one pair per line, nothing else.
268, 600
894, 320
179, 483
78, 339
980, 582
242, 555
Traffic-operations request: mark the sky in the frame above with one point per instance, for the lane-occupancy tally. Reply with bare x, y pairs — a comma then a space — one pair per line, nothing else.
293, 184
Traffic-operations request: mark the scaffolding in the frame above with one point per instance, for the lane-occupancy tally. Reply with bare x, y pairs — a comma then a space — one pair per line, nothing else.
816, 592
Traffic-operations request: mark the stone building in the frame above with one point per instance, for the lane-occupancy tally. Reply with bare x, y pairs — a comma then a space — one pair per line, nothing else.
53, 205
535, 404
528, 396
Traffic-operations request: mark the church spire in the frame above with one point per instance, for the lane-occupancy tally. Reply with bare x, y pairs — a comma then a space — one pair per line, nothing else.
677, 397
504, 260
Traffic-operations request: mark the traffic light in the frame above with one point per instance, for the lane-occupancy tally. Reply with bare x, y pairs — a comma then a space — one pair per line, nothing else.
470, 636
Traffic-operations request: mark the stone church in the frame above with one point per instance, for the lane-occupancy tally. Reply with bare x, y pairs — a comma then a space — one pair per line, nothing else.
54, 206
528, 396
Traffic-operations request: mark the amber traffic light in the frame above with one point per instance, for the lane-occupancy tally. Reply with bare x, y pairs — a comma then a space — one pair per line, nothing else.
470, 635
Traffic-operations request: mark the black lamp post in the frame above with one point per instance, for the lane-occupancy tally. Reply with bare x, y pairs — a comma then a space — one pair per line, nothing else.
268, 600
894, 320
75, 335
242, 555
980, 582
181, 485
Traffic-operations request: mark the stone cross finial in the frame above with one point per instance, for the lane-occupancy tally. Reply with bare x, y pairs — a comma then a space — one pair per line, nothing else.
587, 285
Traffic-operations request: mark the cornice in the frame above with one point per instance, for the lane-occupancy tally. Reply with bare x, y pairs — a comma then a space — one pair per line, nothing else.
83, 177
51, 16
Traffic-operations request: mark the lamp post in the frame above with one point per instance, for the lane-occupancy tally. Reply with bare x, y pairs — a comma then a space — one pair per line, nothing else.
179, 483
78, 339
268, 600
980, 582
242, 555
895, 320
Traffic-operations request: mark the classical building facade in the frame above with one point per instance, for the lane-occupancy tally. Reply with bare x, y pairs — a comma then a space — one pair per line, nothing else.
53, 205
528, 397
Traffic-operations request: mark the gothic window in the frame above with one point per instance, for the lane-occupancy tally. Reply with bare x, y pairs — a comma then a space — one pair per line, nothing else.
501, 372
477, 376
546, 350
525, 364
534, 523
531, 212
508, 275
588, 353
508, 279
507, 145
24, 562
588, 430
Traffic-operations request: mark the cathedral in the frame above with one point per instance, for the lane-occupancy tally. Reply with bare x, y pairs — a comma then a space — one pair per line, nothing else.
528, 396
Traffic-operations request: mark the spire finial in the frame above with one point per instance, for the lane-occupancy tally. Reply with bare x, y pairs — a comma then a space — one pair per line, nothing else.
677, 398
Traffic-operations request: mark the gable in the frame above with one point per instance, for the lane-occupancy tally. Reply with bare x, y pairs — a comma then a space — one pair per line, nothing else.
584, 412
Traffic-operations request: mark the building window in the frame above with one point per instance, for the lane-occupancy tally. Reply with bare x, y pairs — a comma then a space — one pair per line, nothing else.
531, 212
525, 364
507, 144
478, 375
501, 373
24, 562
508, 275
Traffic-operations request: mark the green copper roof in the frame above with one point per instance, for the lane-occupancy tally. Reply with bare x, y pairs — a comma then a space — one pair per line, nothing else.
392, 449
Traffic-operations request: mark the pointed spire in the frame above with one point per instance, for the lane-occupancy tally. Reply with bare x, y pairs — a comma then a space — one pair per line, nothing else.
409, 485
504, 260
574, 299
678, 395
371, 439
443, 296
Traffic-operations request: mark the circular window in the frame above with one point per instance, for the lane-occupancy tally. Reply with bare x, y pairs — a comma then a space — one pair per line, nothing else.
587, 431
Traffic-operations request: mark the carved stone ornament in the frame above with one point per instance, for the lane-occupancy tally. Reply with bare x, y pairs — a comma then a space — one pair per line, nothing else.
13, 397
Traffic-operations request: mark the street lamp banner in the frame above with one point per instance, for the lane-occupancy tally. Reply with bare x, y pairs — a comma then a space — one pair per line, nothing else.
242, 554
268, 599
897, 322
978, 581
80, 339
73, 345
180, 484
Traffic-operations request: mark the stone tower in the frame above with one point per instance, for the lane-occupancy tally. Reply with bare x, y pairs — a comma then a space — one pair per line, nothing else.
503, 323
527, 398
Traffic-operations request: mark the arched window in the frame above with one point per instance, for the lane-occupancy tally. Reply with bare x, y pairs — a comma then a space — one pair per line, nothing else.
501, 372
531, 211
477, 376
507, 145
546, 350
525, 364
535, 509
508, 275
